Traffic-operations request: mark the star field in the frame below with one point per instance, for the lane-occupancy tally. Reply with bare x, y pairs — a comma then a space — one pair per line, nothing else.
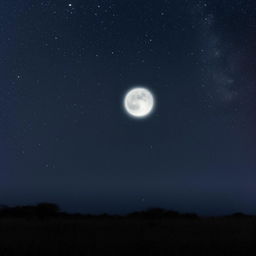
65, 67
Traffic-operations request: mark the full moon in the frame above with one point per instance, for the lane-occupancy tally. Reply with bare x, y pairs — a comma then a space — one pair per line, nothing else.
139, 102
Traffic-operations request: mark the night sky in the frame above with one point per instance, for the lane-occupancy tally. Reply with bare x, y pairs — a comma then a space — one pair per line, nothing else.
65, 67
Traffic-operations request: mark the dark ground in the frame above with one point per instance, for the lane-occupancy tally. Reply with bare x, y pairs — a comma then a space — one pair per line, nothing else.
127, 236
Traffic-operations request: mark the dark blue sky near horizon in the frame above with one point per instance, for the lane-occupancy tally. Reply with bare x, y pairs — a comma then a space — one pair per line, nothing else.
65, 138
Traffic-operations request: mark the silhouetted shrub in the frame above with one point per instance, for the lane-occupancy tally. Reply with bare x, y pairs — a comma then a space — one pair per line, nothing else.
239, 215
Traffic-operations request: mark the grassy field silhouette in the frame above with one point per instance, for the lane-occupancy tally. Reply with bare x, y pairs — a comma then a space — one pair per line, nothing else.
151, 232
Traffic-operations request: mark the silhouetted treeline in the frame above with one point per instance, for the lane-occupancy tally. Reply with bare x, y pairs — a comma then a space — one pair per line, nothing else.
47, 210
50, 210
158, 213
42, 210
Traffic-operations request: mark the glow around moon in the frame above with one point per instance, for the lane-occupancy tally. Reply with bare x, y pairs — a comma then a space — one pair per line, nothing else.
139, 102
